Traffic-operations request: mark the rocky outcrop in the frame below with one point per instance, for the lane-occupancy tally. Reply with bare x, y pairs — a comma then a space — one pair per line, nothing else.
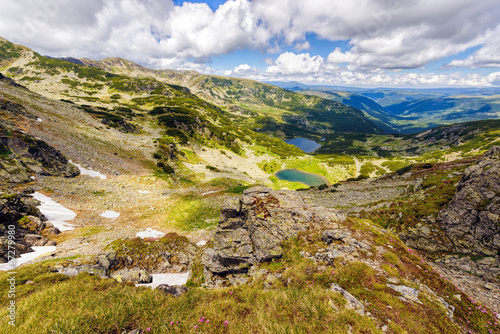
472, 218
20, 216
93, 270
252, 228
174, 290
470, 222
170, 254
136, 276
24, 154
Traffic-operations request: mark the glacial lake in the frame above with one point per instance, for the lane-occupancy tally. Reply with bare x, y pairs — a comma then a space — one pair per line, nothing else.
305, 145
296, 175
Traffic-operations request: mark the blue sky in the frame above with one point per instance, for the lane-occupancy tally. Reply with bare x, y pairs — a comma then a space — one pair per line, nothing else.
418, 43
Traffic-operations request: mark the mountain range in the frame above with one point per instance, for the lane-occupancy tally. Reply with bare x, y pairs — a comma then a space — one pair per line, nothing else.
174, 174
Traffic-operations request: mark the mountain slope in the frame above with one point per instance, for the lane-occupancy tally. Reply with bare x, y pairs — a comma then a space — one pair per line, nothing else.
116, 82
412, 110
375, 112
269, 101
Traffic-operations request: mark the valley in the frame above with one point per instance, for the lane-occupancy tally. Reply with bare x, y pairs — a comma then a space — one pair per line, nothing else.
397, 232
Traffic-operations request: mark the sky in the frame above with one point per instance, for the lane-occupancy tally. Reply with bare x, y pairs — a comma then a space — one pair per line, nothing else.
368, 43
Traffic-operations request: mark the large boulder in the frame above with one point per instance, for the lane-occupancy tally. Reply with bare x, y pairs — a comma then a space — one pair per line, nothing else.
252, 228
136, 276
172, 253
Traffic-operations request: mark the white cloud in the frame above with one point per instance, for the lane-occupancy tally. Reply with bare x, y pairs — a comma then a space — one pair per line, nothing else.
314, 70
302, 46
339, 57
384, 35
487, 56
147, 31
243, 70
290, 63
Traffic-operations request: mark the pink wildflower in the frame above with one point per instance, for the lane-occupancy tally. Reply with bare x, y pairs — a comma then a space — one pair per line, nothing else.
171, 323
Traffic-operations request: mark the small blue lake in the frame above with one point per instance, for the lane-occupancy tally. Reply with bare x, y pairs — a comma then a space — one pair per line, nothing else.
305, 145
296, 175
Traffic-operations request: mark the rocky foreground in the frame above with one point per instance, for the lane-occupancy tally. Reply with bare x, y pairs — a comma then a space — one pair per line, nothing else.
280, 240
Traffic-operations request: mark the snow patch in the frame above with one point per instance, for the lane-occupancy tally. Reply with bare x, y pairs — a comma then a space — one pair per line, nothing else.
26, 257
201, 243
110, 214
170, 279
150, 233
143, 192
55, 213
90, 172
39, 120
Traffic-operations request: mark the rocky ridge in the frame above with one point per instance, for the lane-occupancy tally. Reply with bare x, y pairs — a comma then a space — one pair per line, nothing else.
251, 229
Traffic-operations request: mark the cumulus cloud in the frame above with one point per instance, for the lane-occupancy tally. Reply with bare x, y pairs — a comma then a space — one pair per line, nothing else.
289, 63
148, 31
314, 70
243, 70
487, 56
384, 35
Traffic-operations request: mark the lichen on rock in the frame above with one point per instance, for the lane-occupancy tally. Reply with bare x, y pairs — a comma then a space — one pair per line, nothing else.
252, 228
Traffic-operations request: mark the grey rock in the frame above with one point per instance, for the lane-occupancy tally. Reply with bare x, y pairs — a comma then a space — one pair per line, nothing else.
330, 235
469, 223
406, 292
137, 276
252, 228
471, 218
174, 290
450, 309
94, 270
237, 281
352, 302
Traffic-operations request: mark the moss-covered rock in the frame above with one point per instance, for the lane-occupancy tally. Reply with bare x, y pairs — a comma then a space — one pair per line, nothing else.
171, 253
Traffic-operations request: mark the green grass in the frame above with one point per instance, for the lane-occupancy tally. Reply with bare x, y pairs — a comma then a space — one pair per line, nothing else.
192, 213
299, 301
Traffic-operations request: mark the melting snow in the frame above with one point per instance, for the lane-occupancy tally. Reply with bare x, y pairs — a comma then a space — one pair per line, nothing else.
170, 279
110, 214
150, 233
90, 172
55, 213
26, 257
143, 192
201, 243
39, 120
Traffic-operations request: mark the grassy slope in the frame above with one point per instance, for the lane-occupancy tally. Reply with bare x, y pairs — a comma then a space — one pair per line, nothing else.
299, 301
270, 102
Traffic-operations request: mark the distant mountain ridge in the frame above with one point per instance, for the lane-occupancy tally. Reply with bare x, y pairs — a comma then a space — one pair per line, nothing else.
414, 110
122, 83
